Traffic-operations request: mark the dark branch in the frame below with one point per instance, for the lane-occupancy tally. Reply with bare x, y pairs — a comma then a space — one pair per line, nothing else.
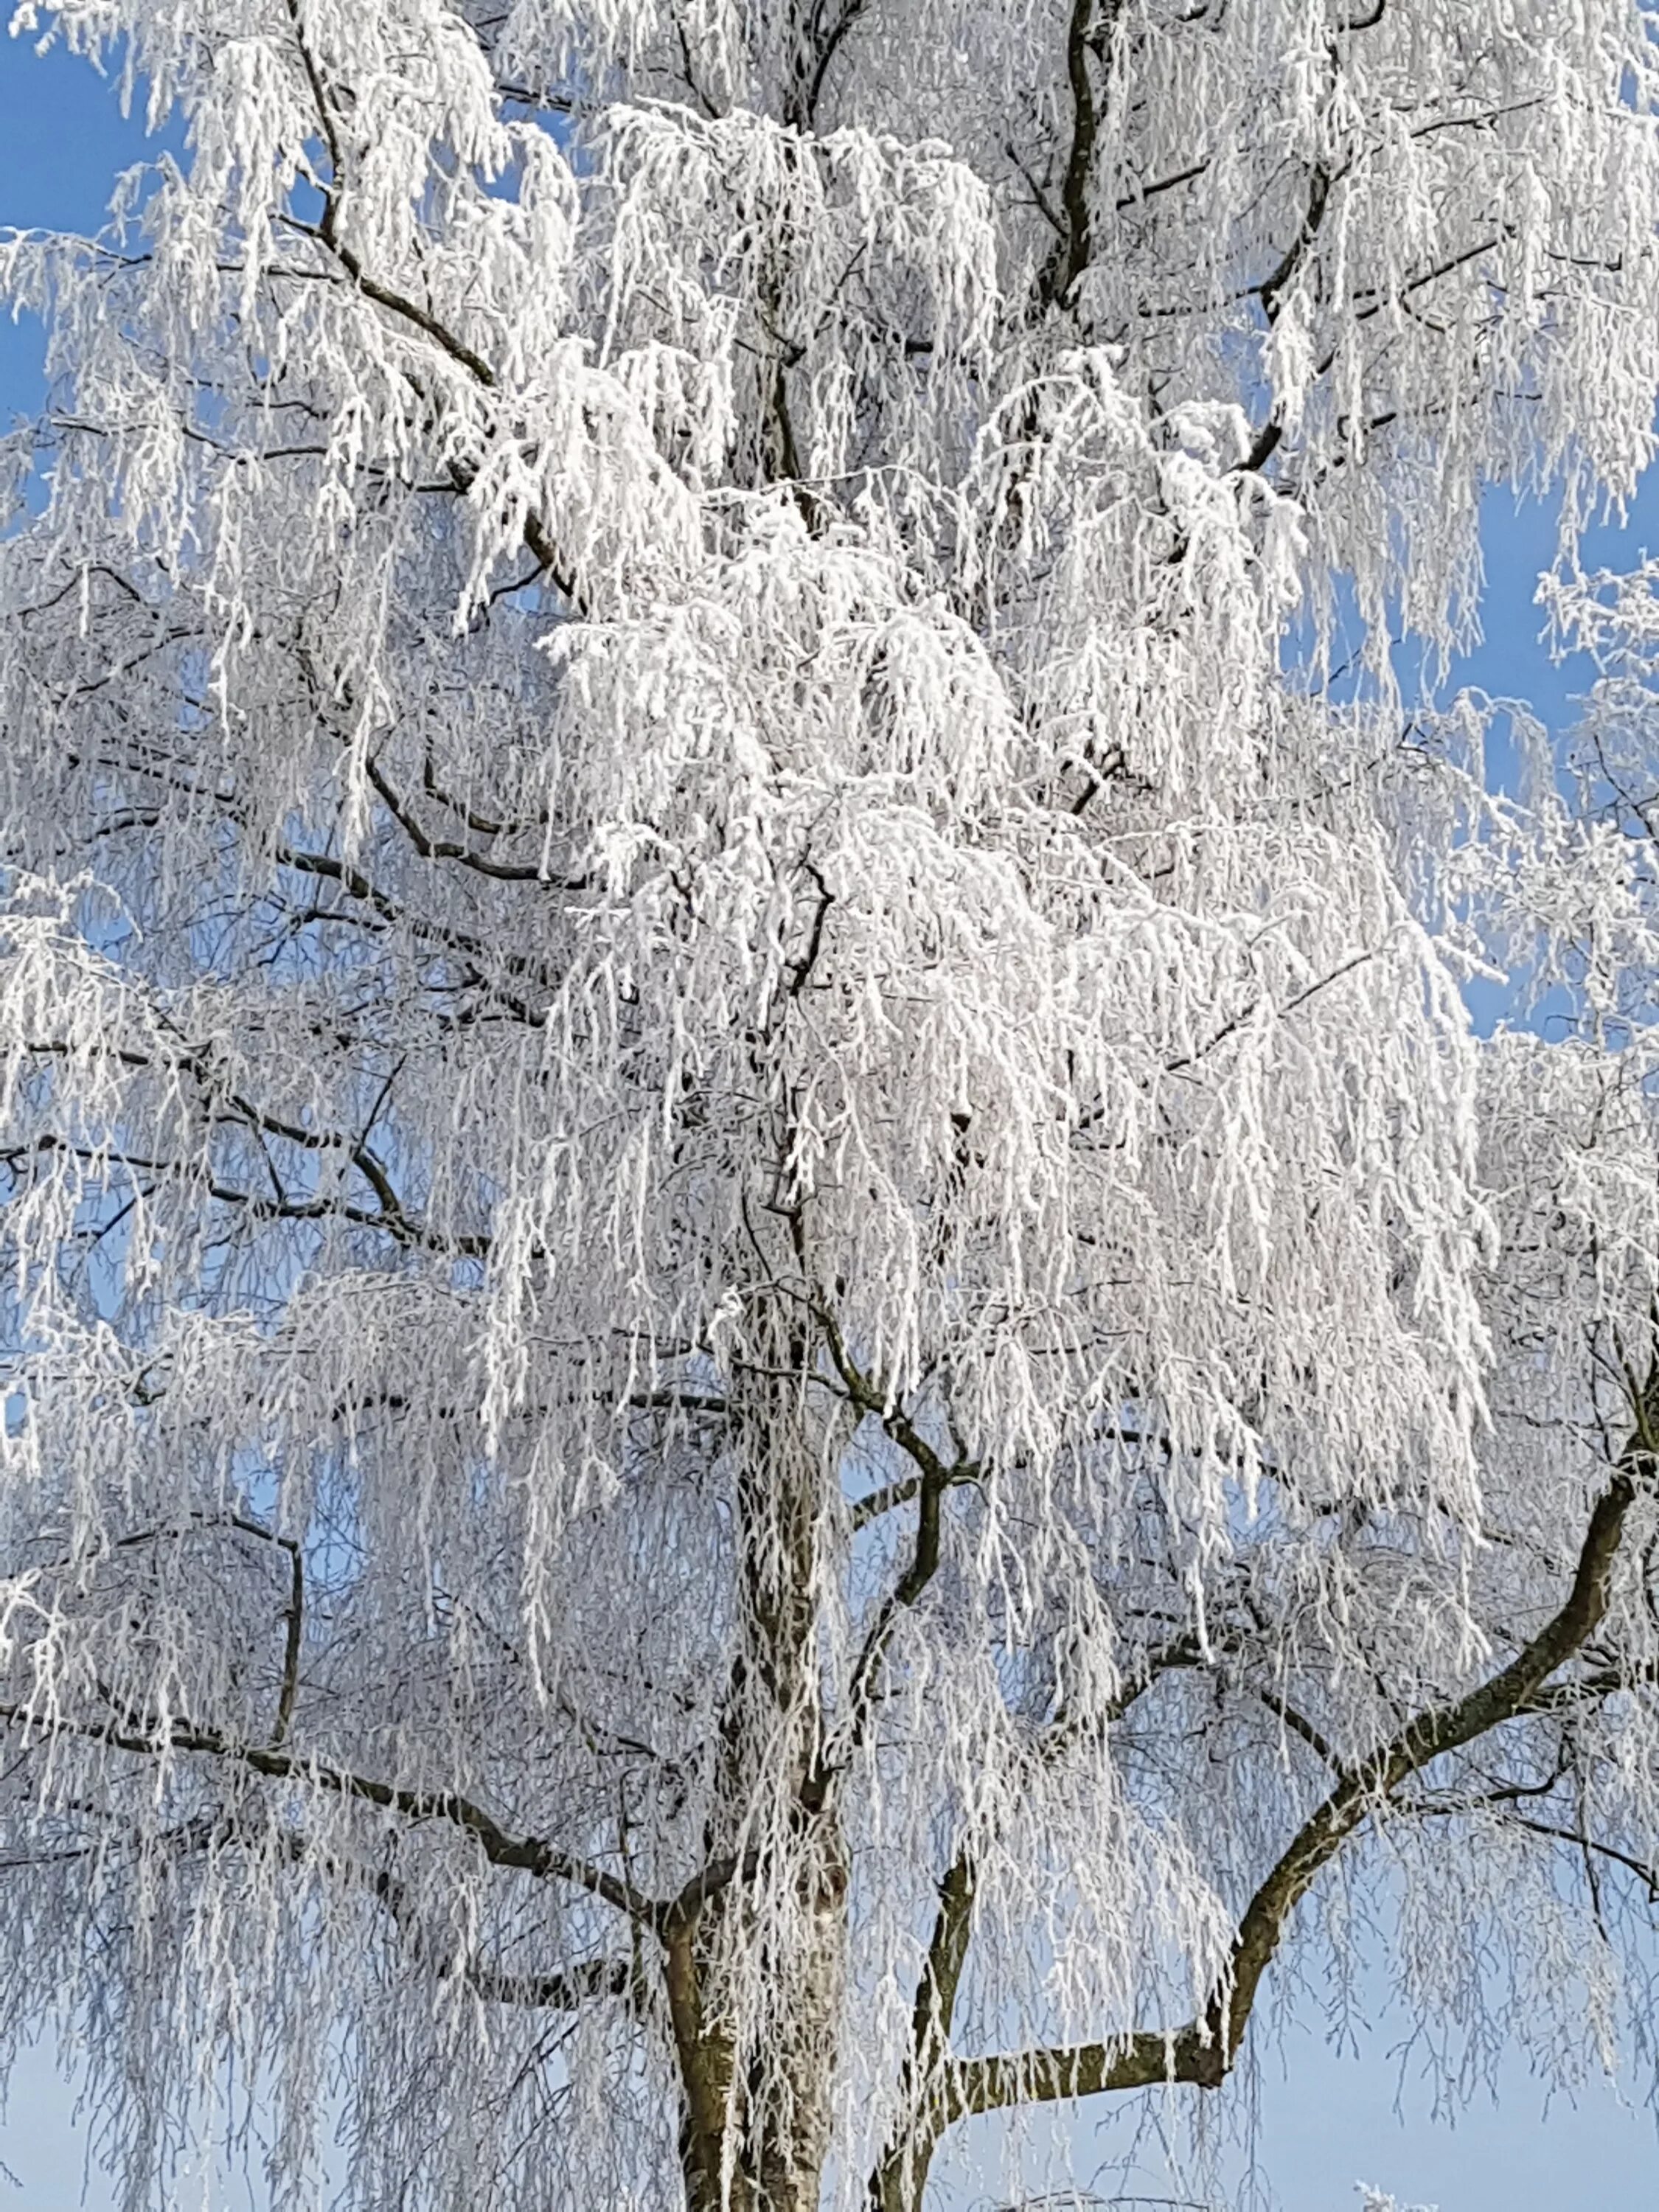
898, 2183
822, 43
448, 849
524, 1854
1203, 2051
1071, 254
565, 1989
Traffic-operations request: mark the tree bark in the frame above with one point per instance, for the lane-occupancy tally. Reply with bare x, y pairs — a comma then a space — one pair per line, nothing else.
756, 2122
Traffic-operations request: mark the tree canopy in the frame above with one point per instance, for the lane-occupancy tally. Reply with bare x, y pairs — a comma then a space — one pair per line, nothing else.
779, 1367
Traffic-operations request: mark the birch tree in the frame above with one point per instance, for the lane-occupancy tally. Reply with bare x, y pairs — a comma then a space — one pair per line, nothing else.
781, 1375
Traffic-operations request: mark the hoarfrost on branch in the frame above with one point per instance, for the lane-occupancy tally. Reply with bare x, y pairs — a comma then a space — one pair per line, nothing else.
779, 1366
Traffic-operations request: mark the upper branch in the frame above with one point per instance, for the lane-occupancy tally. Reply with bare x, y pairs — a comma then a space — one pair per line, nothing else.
825, 36
396, 303
1070, 254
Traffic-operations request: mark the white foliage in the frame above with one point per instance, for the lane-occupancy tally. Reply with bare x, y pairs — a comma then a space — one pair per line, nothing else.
746, 1172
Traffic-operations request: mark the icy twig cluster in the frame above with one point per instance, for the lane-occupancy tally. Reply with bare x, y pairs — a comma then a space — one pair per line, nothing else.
777, 1363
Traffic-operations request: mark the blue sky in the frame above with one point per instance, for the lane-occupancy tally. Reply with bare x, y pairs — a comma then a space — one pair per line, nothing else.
1326, 2119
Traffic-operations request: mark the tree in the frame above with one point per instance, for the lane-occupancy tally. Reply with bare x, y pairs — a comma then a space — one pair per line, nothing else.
779, 1368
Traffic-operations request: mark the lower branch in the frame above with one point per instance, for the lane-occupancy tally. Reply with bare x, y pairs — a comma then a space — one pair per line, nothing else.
1203, 2051
898, 2182
526, 1854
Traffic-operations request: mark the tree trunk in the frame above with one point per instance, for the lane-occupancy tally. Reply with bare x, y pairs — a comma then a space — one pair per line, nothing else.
755, 2137
755, 1984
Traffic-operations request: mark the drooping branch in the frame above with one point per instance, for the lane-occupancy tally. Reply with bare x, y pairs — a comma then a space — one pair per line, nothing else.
391, 1217
225, 1109
1203, 2051
969, 801
1270, 436
293, 1615
1645, 1871
396, 304
568, 1989
529, 1854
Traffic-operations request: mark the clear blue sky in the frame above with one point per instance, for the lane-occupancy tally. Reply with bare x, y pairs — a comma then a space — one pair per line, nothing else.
1326, 2120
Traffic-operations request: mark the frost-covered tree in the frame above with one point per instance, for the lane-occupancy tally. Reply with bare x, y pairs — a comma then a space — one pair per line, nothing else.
778, 1368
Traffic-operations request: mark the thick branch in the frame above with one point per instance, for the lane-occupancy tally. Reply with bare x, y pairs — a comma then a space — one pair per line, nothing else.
898, 2182
931, 2092
1203, 2051
818, 49
1071, 250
